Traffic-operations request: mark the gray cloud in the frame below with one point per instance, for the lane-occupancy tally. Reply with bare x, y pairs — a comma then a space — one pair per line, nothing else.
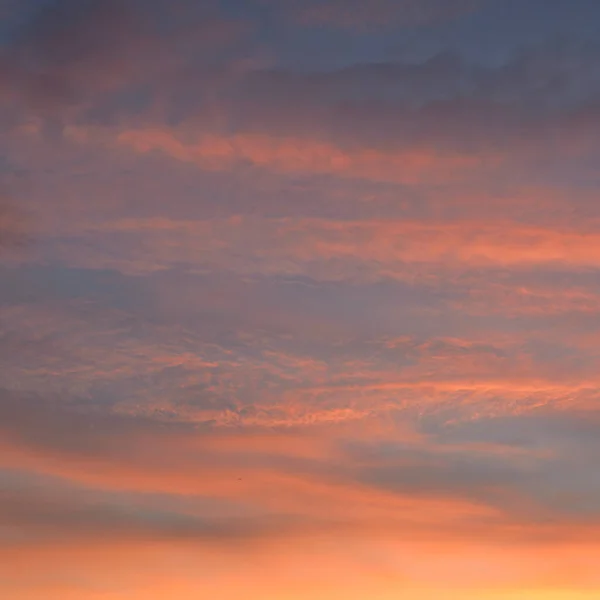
71, 58
359, 14
63, 512
540, 93
12, 228
534, 468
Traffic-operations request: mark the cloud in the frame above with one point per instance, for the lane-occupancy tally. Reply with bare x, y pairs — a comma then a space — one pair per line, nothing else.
154, 76
306, 156
64, 51
73, 56
326, 249
121, 452
14, 222
257, 363
446, 102
441, 121
358, 14
452, 490
65, 513
114, 451
12, 226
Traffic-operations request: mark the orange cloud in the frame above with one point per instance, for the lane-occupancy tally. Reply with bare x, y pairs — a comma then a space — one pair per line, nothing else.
368, 250
531, 300
298, 155
289, 501
259, 477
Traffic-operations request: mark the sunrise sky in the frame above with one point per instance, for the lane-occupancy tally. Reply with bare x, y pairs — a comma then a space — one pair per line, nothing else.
299, 299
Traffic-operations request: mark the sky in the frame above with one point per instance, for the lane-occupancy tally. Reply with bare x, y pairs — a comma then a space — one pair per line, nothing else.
299, 299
